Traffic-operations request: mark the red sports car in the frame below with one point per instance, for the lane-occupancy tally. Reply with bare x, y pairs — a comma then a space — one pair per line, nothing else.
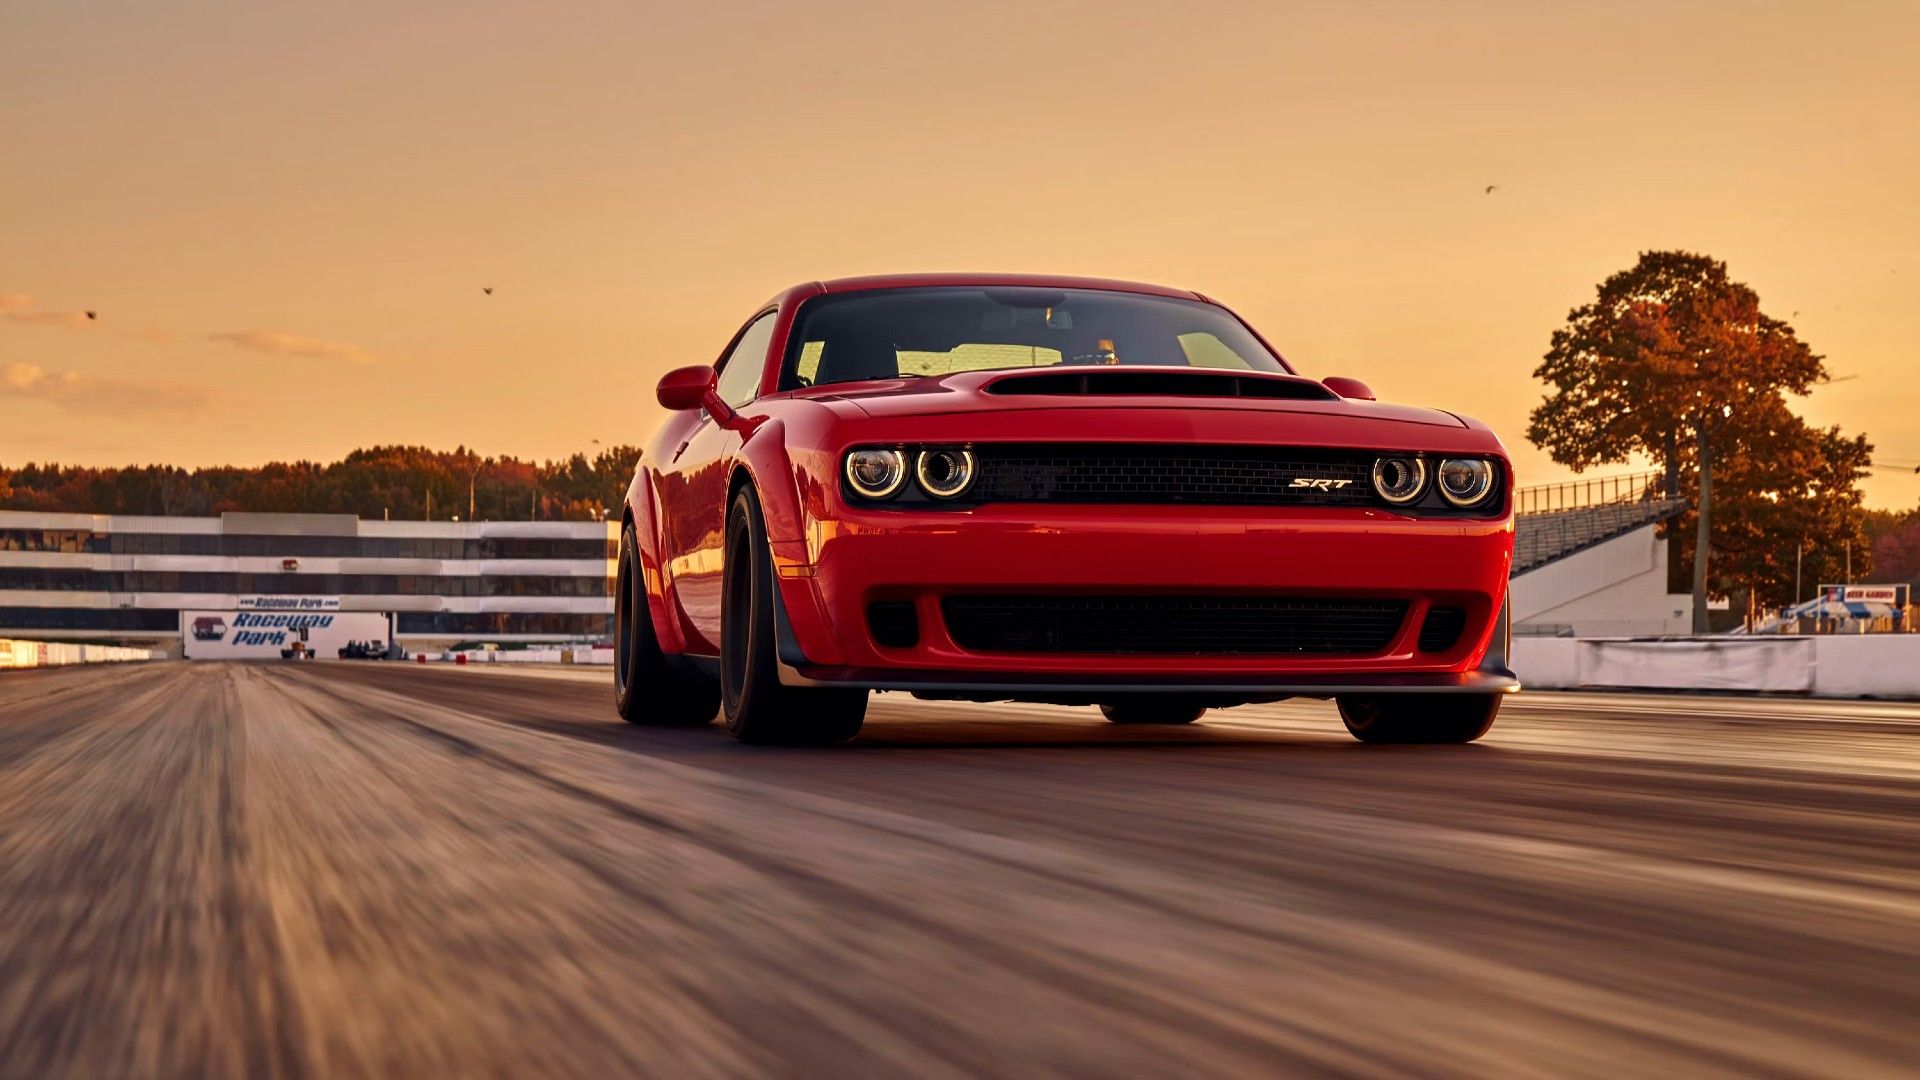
1066, 490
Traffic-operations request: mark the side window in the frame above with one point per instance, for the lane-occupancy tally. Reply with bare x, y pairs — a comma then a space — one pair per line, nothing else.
740, 372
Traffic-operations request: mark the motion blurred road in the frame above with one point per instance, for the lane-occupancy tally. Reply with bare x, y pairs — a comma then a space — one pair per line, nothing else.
228, 870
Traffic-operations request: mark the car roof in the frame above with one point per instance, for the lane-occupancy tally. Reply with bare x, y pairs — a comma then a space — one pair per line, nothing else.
1041, 281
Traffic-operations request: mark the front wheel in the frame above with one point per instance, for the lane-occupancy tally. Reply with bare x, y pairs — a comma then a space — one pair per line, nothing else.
1418, 718
759, 708
646, 689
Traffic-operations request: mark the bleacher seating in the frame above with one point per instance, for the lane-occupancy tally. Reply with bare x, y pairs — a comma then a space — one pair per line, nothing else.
1541, 537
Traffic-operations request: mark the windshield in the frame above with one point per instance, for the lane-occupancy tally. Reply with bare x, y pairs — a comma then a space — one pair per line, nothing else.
929, 332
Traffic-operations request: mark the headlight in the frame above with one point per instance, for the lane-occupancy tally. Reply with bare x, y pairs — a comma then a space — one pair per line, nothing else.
1400, 480
945, 473
1466, 481
876, 473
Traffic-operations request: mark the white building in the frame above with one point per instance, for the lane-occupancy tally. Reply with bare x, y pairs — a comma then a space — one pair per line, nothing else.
88, 576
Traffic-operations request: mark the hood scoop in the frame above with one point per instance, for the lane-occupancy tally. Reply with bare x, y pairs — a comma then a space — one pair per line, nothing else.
1139, 382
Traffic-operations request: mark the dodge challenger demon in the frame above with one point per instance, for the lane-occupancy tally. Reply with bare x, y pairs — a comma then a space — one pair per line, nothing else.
1065, 490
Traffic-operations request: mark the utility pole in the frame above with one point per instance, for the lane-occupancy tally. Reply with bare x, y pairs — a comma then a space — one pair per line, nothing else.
1703, 530
1799, 549
1673, 464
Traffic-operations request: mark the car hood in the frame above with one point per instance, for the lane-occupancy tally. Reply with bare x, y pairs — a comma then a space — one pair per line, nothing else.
1109, 388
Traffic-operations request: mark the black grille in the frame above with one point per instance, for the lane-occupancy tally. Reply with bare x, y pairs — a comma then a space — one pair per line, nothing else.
1440, 630
1215, 475
893, 623
1185, 625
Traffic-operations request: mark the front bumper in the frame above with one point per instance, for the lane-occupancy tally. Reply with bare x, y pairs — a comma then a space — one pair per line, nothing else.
828, 579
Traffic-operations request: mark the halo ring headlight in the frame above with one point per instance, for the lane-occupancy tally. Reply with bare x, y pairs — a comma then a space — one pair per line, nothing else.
945, 474
1465, 482
1400, 480
876, 472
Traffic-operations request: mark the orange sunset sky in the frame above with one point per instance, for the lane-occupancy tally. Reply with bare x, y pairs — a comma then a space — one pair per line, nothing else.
284, 215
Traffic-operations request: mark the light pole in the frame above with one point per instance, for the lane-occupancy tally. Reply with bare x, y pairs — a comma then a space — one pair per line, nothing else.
473, 472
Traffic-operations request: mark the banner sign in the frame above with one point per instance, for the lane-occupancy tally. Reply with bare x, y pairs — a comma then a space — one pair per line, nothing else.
288, 603
1866, 594
260, 635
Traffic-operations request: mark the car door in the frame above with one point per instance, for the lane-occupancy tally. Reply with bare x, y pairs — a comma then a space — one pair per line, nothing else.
693, 492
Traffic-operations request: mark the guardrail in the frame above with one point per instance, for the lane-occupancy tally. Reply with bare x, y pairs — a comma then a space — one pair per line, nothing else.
570, 654
1595, 491
39, 654
1837, 665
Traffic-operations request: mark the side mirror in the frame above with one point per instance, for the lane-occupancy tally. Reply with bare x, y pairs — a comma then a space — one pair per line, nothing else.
1346, 388
685, 389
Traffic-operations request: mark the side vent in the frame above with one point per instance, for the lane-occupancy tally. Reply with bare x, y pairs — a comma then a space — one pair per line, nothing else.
1441, 629
893, 623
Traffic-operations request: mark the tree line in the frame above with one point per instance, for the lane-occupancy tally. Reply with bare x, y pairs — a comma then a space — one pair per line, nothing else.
1677, 362
399, 482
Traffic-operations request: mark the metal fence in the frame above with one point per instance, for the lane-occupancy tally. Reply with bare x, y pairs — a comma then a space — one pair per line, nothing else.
1596, 491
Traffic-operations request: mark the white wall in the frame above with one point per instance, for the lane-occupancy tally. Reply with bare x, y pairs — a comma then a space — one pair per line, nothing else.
1617, 588
30, 654
1877, 665
1837, 665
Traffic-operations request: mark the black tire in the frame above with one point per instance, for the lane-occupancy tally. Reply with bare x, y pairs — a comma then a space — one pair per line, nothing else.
1418, 718
758, 708
646, 688
1149, 711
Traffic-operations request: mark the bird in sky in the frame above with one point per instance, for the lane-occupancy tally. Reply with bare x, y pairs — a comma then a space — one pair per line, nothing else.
488, 289
1491, 188
92, 315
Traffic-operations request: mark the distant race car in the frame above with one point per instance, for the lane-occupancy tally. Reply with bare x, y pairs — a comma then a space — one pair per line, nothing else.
1065, 490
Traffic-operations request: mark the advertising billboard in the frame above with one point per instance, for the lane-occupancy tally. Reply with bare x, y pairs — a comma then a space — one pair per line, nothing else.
260, 635
271, 602
1867, 594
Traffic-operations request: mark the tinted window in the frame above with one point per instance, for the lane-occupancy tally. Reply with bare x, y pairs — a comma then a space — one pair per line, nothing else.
554, 623
44, 579
931, 332
740, 373
139, 620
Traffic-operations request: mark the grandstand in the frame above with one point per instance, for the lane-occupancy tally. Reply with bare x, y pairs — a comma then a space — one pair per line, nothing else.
1587, 561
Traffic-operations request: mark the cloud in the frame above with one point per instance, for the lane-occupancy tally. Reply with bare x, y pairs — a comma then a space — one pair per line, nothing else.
152, 333
72, 320
281, 343
97, 395
18, 307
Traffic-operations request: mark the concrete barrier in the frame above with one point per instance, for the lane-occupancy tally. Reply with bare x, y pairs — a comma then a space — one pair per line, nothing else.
555, 655
37, 654
1867, 665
